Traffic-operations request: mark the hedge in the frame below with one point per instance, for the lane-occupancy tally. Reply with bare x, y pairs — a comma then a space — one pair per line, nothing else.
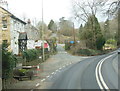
31, 54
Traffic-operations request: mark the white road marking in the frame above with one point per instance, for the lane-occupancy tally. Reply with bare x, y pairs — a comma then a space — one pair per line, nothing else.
42, 80
98, 72
52, 72
56, 70
60, 68
37, 84
48, 76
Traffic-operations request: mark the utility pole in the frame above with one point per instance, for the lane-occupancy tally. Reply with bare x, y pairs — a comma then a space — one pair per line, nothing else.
118, 35
74, 33
43, 33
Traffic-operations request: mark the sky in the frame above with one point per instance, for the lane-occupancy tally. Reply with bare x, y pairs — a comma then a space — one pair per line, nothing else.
52, 9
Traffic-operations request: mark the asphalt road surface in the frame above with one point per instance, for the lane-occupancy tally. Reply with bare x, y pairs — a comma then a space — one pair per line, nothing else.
98, 72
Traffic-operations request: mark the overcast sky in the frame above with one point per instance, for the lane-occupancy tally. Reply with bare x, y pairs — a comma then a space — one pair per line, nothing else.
53, 9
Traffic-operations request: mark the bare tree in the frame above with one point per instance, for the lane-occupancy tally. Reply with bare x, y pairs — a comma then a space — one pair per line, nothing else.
66, 27
87, 12
83, 9
114, 9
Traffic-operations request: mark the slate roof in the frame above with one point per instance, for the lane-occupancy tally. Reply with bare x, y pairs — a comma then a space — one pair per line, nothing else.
13, 16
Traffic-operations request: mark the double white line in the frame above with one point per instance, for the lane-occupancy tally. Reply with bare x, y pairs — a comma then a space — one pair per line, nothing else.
99, 76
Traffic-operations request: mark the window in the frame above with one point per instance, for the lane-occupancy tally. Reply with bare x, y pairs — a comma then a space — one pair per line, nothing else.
4, 22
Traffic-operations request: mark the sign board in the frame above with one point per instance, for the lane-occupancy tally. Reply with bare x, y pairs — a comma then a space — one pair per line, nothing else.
71, 42
45, 45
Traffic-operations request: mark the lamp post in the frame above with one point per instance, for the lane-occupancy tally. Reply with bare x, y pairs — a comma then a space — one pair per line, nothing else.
43, 33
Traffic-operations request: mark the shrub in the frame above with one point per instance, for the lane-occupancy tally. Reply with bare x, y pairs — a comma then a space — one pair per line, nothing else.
100, 42
23, 72
84, 52
67, 46
111, 41
31, 54
8, 62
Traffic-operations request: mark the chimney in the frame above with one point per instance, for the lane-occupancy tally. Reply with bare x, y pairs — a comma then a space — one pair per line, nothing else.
29, 22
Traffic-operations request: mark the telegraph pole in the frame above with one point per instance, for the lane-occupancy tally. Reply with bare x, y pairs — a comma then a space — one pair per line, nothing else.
118, 35
43, 33
74, 33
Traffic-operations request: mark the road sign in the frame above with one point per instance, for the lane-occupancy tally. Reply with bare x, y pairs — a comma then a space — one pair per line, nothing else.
71, 42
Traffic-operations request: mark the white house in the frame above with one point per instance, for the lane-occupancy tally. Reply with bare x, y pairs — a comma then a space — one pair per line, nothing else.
17, 27
11, 28
33, 35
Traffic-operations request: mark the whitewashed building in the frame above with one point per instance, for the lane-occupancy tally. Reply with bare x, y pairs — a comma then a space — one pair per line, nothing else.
17, 27
11, 29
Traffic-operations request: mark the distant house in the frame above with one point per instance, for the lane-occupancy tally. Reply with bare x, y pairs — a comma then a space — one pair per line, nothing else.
11, 29
33, 35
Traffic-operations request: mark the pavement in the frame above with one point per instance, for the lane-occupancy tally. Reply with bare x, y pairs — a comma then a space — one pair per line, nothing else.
48, 68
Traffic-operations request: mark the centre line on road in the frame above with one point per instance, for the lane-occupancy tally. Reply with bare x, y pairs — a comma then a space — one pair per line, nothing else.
48, 76
37, 84
60, 68
53, 72
56, 70
96, 73
99, 76
42, 80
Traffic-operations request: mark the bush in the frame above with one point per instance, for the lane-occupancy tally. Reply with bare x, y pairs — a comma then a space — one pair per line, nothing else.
67, 46
100, 42
111, 41
8, 62
84, 51
30, 54
88, 52
23, 72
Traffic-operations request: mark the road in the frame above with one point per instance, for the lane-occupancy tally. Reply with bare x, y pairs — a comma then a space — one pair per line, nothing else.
97, 72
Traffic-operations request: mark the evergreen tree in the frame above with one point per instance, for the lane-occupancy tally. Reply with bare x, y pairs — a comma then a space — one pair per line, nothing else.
80, 31
52, 26
8, 63
92, 34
